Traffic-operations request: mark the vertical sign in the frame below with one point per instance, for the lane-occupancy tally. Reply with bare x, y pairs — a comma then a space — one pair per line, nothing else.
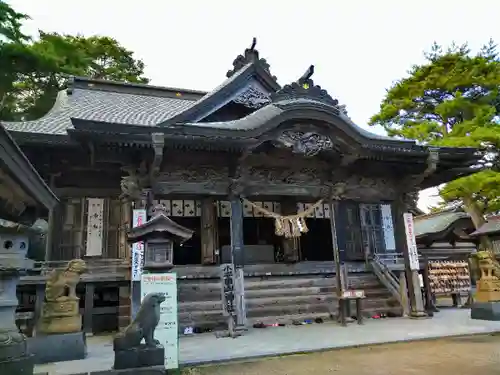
167, 331
411, 242
228, 294
138, 218
388, 228
95, 213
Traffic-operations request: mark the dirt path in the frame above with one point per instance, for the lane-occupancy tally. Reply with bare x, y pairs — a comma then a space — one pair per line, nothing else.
457, 356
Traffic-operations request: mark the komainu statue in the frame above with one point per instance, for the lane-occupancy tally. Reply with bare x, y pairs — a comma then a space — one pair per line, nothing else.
143, 326
486, 270
60, 313
127, 345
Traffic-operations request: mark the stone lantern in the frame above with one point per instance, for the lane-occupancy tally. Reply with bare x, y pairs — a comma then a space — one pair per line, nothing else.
159, 234
14, 353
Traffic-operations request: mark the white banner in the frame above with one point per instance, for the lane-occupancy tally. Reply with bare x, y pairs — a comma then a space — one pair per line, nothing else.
411, 241
388, 228
167, 331
138, 218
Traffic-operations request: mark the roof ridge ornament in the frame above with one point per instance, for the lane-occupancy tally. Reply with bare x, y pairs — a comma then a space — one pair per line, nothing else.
251, 56
304, 88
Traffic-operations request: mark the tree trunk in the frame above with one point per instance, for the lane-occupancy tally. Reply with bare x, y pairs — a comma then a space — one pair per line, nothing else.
478, 220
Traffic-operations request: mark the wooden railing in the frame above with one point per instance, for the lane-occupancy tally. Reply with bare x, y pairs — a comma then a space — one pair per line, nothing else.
97, 270
386, 277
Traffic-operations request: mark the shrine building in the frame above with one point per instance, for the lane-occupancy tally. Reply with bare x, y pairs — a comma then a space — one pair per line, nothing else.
226, 164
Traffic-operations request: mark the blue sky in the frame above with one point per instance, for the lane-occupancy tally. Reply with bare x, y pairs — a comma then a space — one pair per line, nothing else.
359, 47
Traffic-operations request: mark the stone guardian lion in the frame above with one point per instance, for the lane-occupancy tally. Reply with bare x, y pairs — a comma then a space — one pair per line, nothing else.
143, 326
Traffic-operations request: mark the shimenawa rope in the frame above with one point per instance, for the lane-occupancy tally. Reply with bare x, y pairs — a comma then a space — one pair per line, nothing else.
290, 226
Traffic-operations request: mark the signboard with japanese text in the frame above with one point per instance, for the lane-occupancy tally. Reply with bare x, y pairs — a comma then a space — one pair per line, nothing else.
228, 290
167, 331
411, 241
138, 218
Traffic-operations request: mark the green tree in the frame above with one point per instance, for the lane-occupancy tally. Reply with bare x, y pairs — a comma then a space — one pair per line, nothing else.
32, 72
16, 57
453, 100
95, 57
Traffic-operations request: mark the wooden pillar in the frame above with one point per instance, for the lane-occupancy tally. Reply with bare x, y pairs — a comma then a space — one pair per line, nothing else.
124, 310
414, 291
39, 300
50, 235
336, 253
89, 309
145, 202
209, 237
290, 245
238, 259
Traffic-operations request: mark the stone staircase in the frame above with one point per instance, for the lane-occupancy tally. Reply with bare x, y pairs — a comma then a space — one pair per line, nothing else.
278, 299
283, 299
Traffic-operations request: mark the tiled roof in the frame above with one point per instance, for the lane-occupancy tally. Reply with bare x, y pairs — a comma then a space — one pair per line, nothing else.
492, 226
103, 106
437, 222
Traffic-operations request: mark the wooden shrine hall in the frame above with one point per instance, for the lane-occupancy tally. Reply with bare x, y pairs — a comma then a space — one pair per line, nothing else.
226, 164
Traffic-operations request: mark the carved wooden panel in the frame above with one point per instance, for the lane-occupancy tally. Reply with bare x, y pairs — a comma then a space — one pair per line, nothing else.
181, 208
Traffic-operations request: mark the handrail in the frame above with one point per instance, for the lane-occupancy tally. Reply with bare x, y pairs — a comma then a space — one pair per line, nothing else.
387, 278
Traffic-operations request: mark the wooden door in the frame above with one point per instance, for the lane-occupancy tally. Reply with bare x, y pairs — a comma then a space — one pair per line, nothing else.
348, 231
209, 235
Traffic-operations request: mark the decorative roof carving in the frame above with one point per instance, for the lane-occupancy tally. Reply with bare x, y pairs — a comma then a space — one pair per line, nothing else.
308, 144
251, 56
252, 97
305, 88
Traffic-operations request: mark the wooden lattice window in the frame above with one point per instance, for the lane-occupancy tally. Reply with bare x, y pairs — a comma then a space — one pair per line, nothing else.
72, 235
371, 229
117, 219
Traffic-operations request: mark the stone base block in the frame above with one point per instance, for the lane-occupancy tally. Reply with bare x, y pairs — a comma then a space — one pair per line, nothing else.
144, 356
17, 366
58, 348
485, 311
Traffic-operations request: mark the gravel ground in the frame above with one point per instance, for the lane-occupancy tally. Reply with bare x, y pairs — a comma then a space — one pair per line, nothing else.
456, 356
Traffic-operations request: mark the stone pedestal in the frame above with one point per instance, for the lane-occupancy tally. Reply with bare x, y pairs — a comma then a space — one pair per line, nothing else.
60, 317
58, 348
485, 311
14, 354
142, 356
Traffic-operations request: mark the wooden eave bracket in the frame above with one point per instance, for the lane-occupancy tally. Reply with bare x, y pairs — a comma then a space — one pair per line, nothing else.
432, 164
158, 142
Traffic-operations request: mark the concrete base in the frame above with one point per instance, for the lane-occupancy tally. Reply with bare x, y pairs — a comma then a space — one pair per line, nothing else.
485, 311
143, 356
17, 366
58, 348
